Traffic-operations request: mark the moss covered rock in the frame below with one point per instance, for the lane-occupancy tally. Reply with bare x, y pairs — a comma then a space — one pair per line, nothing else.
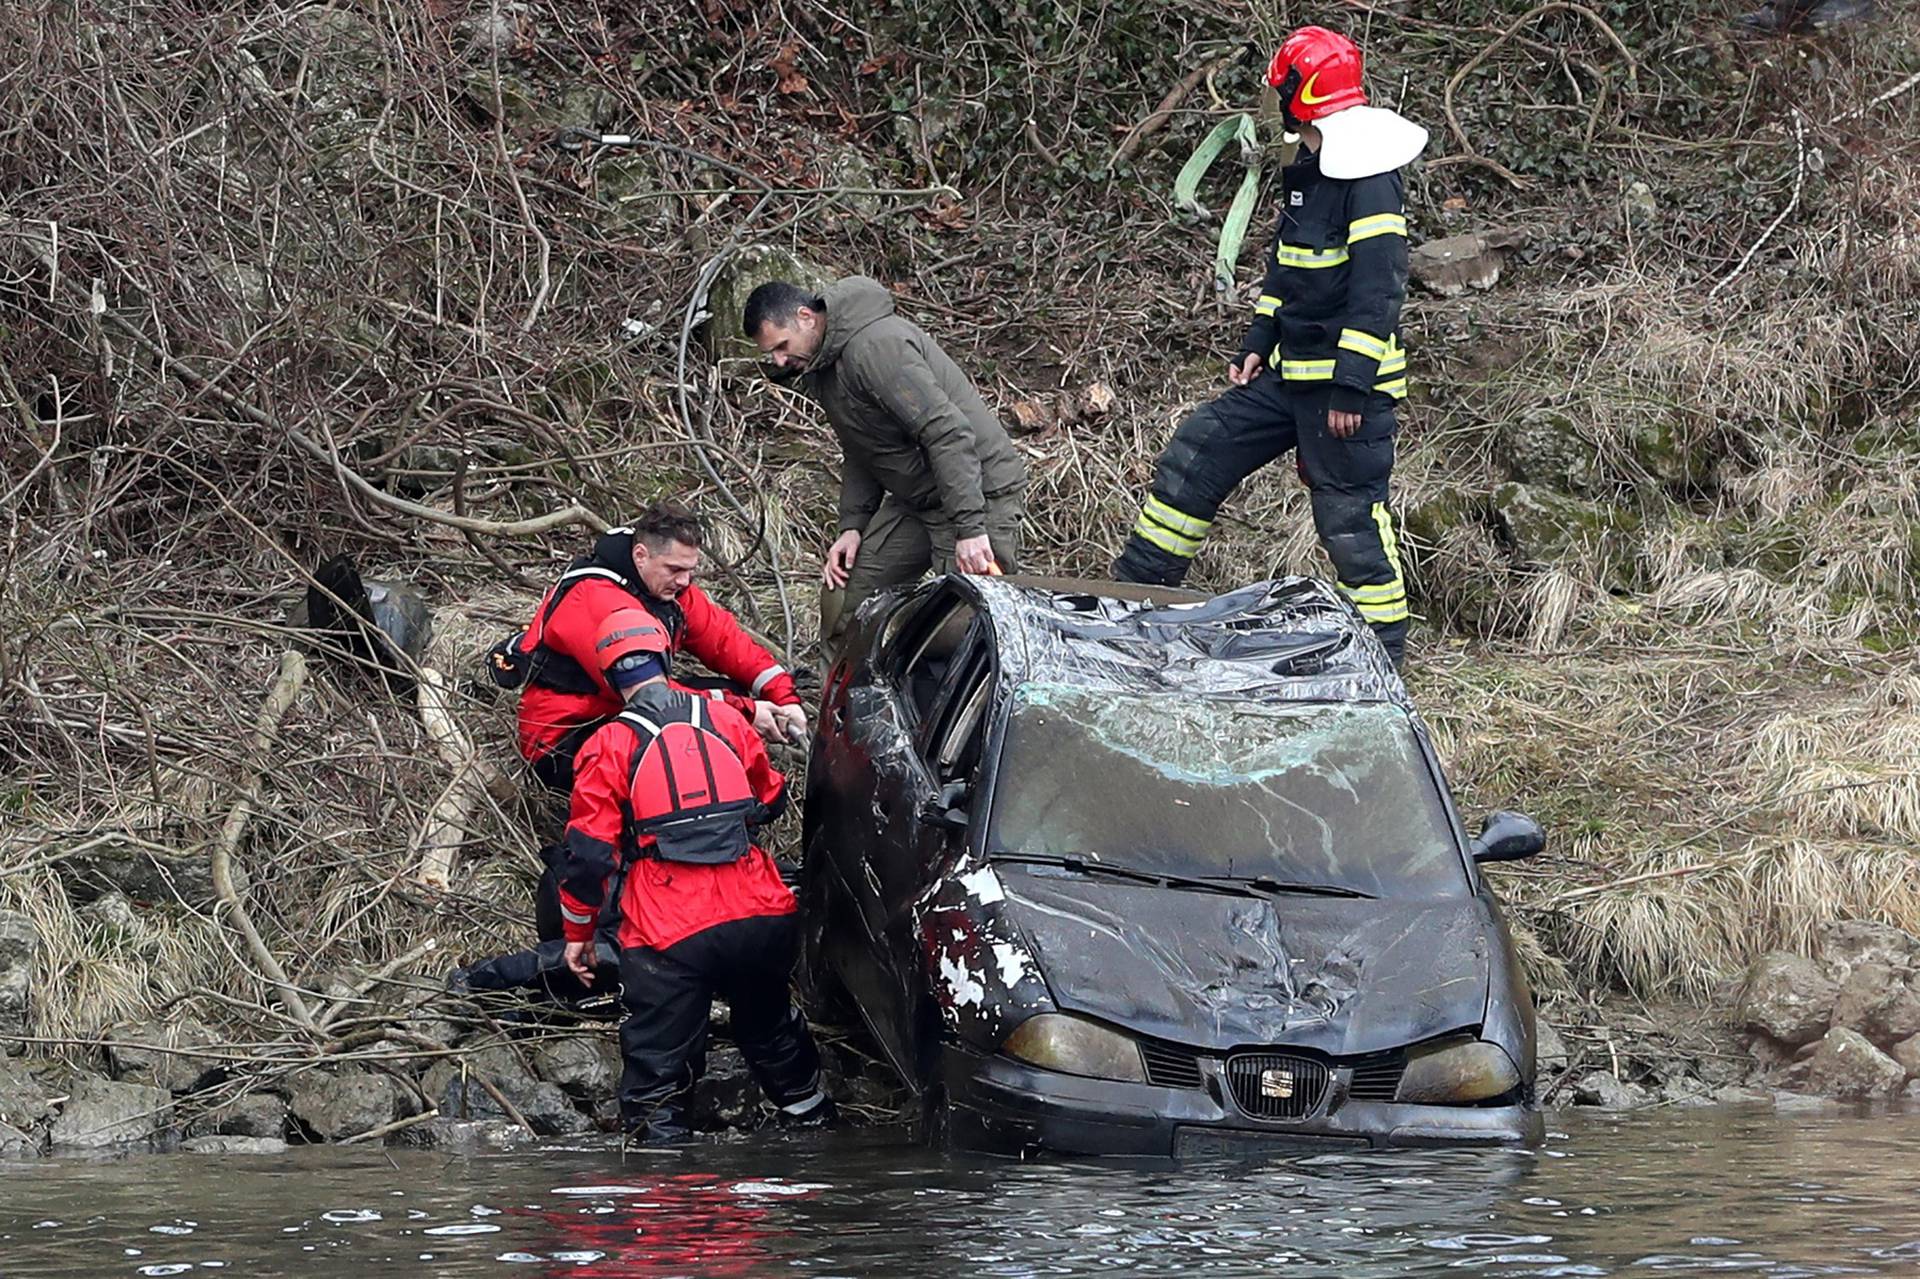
1544, 446
1543, 527
745, 271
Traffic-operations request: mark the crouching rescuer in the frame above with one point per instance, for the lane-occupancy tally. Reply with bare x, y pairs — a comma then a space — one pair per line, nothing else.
1323, 365
665, 798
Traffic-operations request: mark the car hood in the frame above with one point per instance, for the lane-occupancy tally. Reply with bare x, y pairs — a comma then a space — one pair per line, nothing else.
1341, 975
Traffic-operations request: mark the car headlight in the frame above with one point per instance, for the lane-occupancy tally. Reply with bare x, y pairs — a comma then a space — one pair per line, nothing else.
1456, 1072
1076, 1047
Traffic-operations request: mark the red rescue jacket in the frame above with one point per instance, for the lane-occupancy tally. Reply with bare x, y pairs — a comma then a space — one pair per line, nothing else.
611, 822
595, 615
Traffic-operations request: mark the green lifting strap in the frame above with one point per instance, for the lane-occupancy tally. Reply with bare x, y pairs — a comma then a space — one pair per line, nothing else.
1186, 190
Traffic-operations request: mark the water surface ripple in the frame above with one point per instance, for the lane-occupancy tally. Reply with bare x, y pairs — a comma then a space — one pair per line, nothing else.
1705, 1192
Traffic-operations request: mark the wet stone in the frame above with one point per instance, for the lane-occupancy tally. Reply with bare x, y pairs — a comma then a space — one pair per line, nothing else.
466, 1134
19, 951
586, 1066
1604, 1089
347, 1104
546, 1107
1550, 1050
100, 1113
257, 1114
218, 1145
1787, 997
168, 1055
726, 1096
1847, 1065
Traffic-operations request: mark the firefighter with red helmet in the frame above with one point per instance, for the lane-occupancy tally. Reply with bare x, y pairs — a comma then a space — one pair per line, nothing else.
659, 831
1323, 364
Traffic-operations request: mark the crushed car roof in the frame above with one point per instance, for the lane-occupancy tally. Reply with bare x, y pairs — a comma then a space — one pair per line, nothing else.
1289, 638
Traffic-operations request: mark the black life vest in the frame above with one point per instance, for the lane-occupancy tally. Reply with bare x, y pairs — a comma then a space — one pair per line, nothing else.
687, 788
526, 658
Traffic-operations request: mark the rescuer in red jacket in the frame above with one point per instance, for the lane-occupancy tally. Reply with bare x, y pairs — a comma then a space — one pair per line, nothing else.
637, 581
659, 829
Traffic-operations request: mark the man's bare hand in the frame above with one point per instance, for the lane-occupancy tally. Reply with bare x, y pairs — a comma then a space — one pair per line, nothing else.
974, 555
580, 961
792, 723
840, 557
1245, 369
1341, 425
767, 722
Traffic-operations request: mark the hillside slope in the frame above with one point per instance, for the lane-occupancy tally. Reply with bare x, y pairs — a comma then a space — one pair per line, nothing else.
286, 281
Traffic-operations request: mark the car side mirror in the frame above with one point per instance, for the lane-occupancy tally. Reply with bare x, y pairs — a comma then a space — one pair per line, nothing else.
1508, 837
948, 809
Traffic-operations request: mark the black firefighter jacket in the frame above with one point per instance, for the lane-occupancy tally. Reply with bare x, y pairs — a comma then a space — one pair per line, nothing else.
1330, 308
910, 424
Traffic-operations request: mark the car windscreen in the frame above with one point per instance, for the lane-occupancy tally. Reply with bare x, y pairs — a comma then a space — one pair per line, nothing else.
1323, 794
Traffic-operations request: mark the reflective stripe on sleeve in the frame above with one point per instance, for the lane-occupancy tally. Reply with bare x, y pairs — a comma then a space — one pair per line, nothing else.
767, 677
1295, 255
1267, 304
573, 918
1361, 342
1379, 224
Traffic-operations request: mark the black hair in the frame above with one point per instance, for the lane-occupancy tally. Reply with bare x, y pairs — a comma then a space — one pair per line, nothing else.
775, 302
663, 522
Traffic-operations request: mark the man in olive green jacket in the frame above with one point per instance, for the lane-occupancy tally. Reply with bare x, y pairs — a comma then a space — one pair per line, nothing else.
929, 478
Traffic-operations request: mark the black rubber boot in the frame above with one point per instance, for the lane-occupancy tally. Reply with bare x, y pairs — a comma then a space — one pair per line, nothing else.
664, 1125
815, 1114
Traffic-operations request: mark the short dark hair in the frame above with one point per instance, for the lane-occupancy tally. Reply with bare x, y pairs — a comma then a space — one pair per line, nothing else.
664, 522
775, 302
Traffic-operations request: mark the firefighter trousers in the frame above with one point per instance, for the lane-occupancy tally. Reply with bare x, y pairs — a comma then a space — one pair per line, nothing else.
1229, 438
667, 995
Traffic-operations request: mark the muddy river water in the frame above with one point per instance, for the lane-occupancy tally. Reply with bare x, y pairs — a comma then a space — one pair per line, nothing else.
1736, 1192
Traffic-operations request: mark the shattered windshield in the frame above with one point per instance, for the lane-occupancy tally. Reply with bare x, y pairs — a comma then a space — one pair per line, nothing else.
1310, 794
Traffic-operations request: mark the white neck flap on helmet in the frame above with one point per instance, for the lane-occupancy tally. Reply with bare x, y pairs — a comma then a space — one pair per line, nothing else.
1360, 142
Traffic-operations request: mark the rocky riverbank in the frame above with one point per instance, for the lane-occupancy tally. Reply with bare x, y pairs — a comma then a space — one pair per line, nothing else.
421, 1067
416, 1067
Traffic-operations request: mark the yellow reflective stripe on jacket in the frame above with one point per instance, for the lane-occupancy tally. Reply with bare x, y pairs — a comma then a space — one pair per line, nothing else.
1174, 520
1185, 547
1309, 259
1307, 370
1386, 593
1396, 387
1363, 343
1379, 224
1267, 304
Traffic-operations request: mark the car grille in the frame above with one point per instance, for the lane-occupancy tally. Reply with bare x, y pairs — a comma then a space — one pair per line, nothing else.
1377, 1078
1169, 1066
1277, 1085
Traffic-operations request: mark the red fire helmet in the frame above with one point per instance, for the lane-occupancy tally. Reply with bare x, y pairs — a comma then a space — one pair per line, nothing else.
1316, 72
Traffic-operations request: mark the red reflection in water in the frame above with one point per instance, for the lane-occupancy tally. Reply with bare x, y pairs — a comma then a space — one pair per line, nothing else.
682, 1224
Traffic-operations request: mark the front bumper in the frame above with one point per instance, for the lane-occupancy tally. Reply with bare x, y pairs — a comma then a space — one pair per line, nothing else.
1006, 1106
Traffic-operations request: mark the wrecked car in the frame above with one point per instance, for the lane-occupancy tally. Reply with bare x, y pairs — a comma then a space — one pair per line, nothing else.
1107, 869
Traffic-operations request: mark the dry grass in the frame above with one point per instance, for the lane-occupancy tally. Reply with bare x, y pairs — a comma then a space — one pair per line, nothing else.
1713, 712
